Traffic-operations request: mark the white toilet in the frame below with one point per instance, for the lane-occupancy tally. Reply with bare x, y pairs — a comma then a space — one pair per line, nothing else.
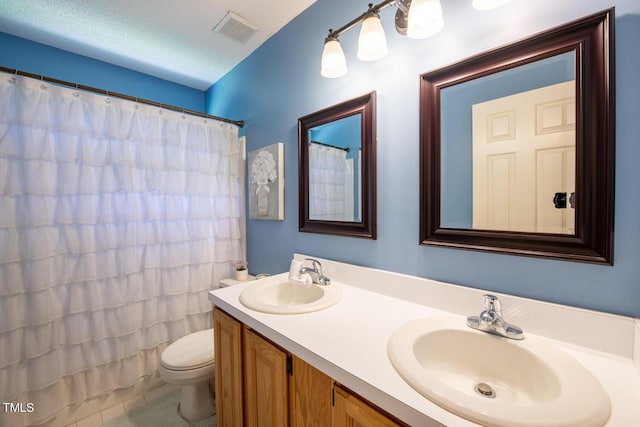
189, 362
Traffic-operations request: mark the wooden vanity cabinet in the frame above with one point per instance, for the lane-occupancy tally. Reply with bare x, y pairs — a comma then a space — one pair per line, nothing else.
227, 333
265, 382
310, 396
258, 383
349, 410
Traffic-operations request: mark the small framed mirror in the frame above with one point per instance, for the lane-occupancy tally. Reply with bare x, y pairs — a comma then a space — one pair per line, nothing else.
337, 169
517, 147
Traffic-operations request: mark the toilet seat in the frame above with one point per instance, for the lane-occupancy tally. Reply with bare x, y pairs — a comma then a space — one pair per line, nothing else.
190, 352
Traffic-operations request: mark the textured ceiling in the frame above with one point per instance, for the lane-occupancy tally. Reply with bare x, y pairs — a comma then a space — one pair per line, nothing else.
169, 39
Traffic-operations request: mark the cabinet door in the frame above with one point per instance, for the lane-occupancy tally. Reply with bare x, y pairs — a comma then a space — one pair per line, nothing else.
351, 411
310, 396
265, 381
228, 369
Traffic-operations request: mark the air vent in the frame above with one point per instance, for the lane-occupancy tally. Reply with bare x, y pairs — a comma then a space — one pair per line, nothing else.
236, 27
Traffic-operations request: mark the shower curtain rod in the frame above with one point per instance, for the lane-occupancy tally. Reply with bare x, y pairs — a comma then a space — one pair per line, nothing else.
239, 123
347, 149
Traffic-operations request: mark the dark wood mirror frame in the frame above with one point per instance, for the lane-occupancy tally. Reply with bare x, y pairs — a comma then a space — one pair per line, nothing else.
366, 228
591, 39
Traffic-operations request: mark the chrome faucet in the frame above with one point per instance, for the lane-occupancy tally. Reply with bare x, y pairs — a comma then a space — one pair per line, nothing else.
491, 321
315, 272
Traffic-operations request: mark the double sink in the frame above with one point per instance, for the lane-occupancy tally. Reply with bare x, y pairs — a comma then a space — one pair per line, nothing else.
485, 378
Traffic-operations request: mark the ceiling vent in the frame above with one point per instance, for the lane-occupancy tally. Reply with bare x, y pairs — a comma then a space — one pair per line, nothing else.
236, 27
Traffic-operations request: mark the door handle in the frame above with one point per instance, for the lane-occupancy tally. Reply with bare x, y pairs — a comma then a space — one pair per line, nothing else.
560, 200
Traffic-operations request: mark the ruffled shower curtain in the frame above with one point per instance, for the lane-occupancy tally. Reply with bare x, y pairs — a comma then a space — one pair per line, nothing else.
330, 184
115, 220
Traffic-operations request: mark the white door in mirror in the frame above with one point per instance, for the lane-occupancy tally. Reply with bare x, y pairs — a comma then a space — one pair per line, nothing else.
523, 154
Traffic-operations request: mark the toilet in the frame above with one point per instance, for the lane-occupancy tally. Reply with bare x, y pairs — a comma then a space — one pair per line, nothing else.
189, 362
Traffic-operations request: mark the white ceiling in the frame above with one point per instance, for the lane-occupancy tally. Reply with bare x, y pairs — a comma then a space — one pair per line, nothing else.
170, 39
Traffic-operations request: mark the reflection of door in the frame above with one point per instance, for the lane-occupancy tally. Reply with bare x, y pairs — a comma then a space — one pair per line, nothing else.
523, 154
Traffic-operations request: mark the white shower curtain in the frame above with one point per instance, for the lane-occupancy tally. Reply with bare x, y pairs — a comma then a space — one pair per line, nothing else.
330, 182
115, 220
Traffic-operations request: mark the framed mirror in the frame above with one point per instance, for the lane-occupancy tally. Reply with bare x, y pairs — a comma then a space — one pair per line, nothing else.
337, 169
517, 147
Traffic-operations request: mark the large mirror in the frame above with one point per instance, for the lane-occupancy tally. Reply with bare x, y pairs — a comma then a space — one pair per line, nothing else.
337, 169
517, 147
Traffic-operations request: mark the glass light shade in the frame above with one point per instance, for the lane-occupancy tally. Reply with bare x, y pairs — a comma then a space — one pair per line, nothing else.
488, 4
334, 63
372, 43
425, 19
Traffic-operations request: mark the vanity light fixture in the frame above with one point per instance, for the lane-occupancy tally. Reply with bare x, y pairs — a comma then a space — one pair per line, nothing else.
372, 43
416, 19
425, 19
334, 63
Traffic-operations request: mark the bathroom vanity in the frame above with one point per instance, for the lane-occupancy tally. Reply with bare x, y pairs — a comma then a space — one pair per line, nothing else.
257, 381
325, 366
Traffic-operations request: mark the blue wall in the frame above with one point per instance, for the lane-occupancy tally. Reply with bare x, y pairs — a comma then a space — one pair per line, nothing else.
36, 58
281, 81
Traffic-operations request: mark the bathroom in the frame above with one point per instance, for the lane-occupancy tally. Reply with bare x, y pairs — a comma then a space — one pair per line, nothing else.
281, 82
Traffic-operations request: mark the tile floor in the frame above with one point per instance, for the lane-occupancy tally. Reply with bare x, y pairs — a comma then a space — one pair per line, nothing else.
156, 408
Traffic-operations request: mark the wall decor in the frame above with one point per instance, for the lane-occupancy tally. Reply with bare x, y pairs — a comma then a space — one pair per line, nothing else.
266, 182
564, 210
332, 200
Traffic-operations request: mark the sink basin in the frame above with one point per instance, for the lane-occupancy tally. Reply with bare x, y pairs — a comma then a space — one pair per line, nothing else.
494, 380
285, 297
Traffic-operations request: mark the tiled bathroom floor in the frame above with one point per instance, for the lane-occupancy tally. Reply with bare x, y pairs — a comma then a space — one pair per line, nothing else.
157, 408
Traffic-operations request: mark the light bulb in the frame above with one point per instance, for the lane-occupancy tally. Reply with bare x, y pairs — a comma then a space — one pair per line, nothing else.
334, 64
372, 43
425, 19
488, 4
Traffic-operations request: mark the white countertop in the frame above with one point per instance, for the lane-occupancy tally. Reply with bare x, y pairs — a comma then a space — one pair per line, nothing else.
348, 342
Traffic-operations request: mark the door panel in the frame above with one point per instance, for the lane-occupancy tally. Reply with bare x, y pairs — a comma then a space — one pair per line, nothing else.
266, 386
523, 154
